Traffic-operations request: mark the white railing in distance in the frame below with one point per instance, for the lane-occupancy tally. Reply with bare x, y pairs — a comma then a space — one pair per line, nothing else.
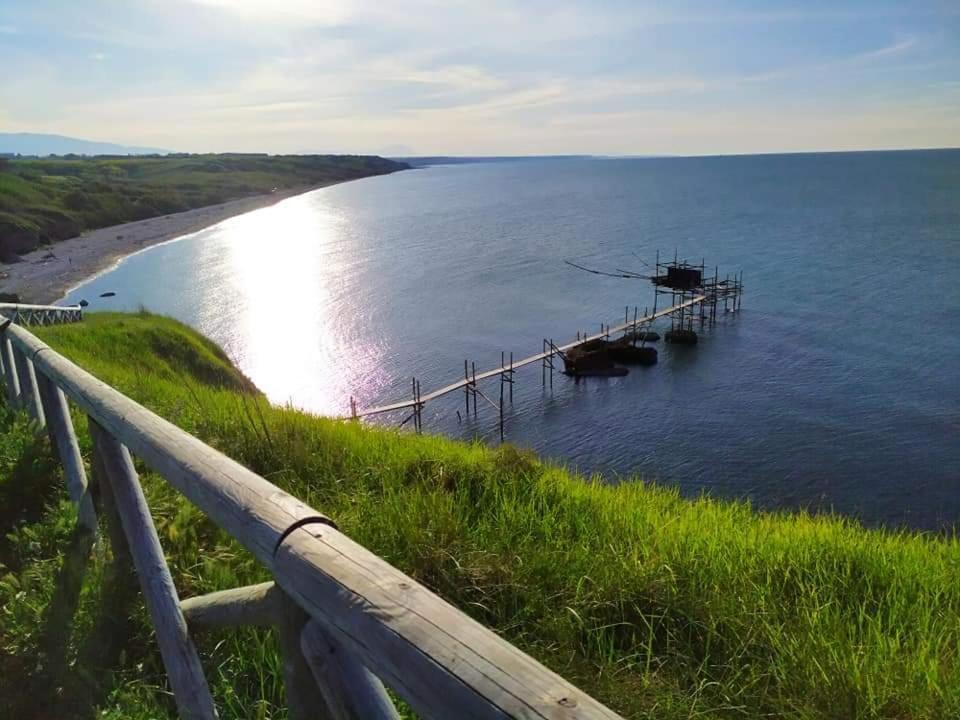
41, 314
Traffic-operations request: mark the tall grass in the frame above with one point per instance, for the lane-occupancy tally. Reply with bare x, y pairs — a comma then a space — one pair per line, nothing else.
658, 605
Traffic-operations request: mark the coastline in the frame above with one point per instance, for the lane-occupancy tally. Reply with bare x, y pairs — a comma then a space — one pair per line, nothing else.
43, 276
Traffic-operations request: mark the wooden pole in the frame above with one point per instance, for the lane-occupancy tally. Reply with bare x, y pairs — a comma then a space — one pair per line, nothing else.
552, 346
543, 364
251, 605
511, 376
419, 409
501, 399
29, 397
305, 698
473, 367
350, 690
716, 289
60, 426
180, 658
11, 377
466, 387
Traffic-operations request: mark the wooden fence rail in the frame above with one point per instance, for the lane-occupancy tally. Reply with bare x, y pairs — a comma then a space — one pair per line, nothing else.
41, 314
349, 623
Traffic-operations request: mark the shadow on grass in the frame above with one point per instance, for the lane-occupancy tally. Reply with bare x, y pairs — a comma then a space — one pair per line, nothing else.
31, 485
50, 686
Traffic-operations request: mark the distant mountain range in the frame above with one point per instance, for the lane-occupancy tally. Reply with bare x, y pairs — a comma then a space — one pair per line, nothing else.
43, 144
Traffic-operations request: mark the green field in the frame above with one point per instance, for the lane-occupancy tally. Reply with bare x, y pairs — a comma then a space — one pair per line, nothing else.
661, 607
46, 200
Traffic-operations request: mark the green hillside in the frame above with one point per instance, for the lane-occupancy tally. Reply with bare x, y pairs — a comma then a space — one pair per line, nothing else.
46, 200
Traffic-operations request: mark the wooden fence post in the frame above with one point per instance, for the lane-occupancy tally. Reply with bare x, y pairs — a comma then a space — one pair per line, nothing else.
61, 428
352, 692
305, 699
29, 397
179, 655
12, 382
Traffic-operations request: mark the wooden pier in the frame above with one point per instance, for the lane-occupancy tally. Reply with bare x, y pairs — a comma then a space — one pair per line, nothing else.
507, 369
694, 296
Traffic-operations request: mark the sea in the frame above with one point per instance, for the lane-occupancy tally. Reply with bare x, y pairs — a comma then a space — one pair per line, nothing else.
836, 387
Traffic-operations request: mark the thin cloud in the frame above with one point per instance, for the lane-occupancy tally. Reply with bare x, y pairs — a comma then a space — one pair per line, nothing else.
897, 48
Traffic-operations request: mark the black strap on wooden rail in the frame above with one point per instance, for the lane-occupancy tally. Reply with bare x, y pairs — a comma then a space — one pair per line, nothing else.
319, 519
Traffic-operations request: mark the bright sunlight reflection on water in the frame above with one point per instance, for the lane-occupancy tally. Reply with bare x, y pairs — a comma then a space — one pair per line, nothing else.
280, 316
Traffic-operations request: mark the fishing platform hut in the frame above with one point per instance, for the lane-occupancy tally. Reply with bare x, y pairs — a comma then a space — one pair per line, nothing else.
695, 297
685, 282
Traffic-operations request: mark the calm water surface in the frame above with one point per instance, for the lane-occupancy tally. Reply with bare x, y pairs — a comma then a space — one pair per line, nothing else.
837, 386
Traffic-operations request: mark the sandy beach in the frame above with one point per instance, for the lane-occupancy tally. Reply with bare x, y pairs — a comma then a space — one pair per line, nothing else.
46, 274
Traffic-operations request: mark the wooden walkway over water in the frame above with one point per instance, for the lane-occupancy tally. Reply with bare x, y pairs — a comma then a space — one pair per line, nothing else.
470, 380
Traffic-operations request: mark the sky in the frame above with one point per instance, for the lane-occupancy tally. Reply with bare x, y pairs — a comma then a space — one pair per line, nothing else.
485, 77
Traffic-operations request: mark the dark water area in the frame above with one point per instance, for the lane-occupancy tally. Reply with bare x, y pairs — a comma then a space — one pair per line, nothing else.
836, 387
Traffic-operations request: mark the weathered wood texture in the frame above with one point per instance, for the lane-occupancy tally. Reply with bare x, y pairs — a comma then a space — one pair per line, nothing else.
11, 379
250, 605
434, 656
61, 428
29, 397
437, 658
350, 690
179, 655
305, 700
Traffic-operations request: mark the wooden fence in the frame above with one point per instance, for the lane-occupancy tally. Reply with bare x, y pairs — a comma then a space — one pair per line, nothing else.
40, 314
348, 622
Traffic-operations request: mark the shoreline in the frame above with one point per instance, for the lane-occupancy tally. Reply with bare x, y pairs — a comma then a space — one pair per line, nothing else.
45, 275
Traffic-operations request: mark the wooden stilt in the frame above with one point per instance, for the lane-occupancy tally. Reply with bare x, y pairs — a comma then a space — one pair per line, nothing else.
501, 400
543, 364
473, 382
552, 346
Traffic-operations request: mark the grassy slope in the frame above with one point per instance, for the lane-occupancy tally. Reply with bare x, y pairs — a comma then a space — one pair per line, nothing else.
45, 200
661, 607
